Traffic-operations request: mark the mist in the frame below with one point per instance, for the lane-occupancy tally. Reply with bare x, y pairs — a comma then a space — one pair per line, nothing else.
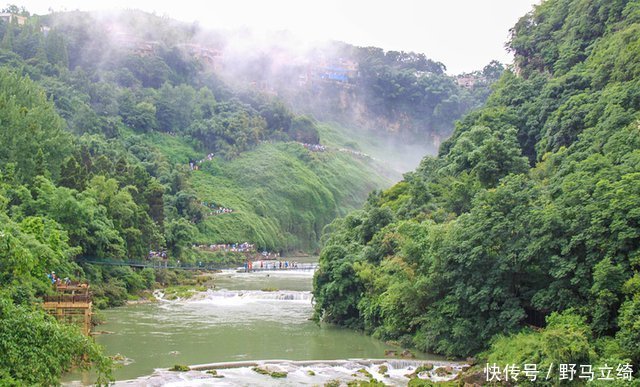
393, 106
335, 82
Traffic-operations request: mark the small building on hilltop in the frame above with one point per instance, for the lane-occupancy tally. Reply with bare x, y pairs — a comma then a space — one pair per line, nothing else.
340, 71
9, 17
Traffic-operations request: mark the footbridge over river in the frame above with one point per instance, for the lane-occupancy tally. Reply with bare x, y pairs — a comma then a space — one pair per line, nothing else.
280, 265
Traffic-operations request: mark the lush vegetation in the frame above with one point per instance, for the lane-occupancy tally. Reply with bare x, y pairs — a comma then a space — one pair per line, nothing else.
98, 133
123, 171
528, 216
282, 195
35, 348
412, 93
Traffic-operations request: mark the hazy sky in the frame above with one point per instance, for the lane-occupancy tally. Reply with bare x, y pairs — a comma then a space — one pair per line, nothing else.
463, 34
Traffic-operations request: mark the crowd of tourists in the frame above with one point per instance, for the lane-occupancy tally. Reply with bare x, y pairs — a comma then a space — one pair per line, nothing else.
157, 254
194, 165
270, 265
314, 147
214, 209
245, 247
322, 148
55, 280
62, 282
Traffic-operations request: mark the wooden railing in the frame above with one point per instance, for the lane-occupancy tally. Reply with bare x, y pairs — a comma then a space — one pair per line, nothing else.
69, 298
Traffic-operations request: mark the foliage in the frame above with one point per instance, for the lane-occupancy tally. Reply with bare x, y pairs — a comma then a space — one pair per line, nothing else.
94, 164
143, 119
30, 128
566, 339
282, 195
36, 348
529, 211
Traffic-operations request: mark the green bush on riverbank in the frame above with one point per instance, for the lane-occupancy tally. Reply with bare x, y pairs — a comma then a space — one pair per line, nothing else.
35, 348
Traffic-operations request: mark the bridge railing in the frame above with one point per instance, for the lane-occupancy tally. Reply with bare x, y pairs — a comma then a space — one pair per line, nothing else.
73, 287
299, 266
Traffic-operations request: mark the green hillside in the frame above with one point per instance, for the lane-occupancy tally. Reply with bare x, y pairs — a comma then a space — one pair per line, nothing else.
120, 142
522, 238
282, 195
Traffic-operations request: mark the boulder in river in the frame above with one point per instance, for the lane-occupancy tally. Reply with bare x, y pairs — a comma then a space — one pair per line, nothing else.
407, 354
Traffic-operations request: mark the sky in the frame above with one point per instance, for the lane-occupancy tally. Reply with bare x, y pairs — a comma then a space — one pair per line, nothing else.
465, 35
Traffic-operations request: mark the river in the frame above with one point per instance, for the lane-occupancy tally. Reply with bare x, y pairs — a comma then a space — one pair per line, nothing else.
245, 317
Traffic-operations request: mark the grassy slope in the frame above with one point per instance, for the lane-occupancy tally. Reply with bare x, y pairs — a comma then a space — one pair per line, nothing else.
396, 157
175, 148
282, 194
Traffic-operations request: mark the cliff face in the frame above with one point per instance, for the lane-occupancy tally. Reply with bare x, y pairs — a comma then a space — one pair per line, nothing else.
405, 95
400, 103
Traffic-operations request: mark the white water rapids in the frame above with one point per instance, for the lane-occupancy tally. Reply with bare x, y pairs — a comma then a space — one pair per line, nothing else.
301, 373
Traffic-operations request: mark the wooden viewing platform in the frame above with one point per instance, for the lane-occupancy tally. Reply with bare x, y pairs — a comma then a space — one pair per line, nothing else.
71, 305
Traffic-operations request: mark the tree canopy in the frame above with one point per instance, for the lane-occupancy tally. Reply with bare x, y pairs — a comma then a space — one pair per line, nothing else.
528, 216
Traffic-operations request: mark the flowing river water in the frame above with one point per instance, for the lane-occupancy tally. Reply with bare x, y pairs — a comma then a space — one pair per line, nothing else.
244, 318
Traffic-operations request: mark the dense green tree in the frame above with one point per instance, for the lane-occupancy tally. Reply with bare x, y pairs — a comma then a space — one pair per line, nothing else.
175, 107
178, 234
37, 349
529, 211
56, 49
30, 125
303, 129
8, 36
